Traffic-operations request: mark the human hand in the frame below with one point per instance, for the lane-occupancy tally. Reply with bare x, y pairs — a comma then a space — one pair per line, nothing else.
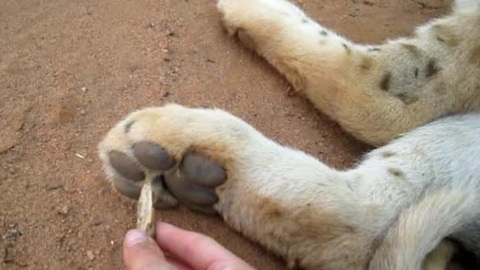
175, 248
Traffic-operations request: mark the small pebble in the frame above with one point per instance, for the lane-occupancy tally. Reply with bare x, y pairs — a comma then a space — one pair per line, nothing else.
90, 255
64, 210
12, 234
95, 223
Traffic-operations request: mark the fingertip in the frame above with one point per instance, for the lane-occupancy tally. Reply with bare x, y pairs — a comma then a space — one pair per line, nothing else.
141, 252
161, 226
134, 237
164, 232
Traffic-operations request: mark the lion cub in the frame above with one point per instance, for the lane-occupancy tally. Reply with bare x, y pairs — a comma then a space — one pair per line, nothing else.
390, 211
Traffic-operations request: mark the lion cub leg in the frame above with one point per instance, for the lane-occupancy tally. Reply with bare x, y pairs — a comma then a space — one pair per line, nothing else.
294, 205
373, 92
212, 162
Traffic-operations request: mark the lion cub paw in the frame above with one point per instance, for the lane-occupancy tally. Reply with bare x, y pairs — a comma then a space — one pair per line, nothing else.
255, 22
164, 142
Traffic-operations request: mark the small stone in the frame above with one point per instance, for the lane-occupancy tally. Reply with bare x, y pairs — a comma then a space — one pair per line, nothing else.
96, 223
12, 234
64, 210
291, 92
84, 89
90, 255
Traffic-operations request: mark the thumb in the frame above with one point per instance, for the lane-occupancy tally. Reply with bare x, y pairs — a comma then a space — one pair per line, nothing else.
141, 252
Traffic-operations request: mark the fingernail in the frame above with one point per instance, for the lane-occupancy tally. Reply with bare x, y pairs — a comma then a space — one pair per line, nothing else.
134, 237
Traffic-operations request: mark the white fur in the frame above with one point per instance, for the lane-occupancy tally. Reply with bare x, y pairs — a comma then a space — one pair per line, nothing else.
466, 5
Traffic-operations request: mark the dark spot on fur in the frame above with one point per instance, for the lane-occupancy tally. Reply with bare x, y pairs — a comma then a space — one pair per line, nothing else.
271, 209
304, 21
414, 50
128, 126
431, 69
346, 48
440, 39
396, 172
385, 82
445, 35
366, 64
475, 56
323, 33
388, 154
375, 49
407, 99
416, 72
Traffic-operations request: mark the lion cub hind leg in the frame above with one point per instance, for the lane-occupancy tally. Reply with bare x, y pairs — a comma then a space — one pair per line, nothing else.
373, 92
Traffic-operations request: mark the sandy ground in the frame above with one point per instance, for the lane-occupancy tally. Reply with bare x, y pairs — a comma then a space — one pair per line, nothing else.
70, 69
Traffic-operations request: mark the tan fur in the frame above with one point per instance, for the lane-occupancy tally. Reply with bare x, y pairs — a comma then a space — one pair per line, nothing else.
368, 88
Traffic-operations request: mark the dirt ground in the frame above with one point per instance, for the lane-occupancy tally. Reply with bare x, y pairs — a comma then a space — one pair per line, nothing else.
70, 69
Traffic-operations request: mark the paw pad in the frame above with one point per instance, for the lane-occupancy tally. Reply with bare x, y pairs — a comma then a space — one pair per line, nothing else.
152, 156
125, 166
192, 182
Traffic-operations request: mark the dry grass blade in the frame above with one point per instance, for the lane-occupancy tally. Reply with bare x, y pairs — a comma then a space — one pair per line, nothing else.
145, 210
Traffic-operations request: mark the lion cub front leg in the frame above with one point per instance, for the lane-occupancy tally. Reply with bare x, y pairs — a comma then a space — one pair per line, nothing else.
211, 161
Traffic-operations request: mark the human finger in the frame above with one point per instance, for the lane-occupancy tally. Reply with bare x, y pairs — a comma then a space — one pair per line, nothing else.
140, 252
198, 251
